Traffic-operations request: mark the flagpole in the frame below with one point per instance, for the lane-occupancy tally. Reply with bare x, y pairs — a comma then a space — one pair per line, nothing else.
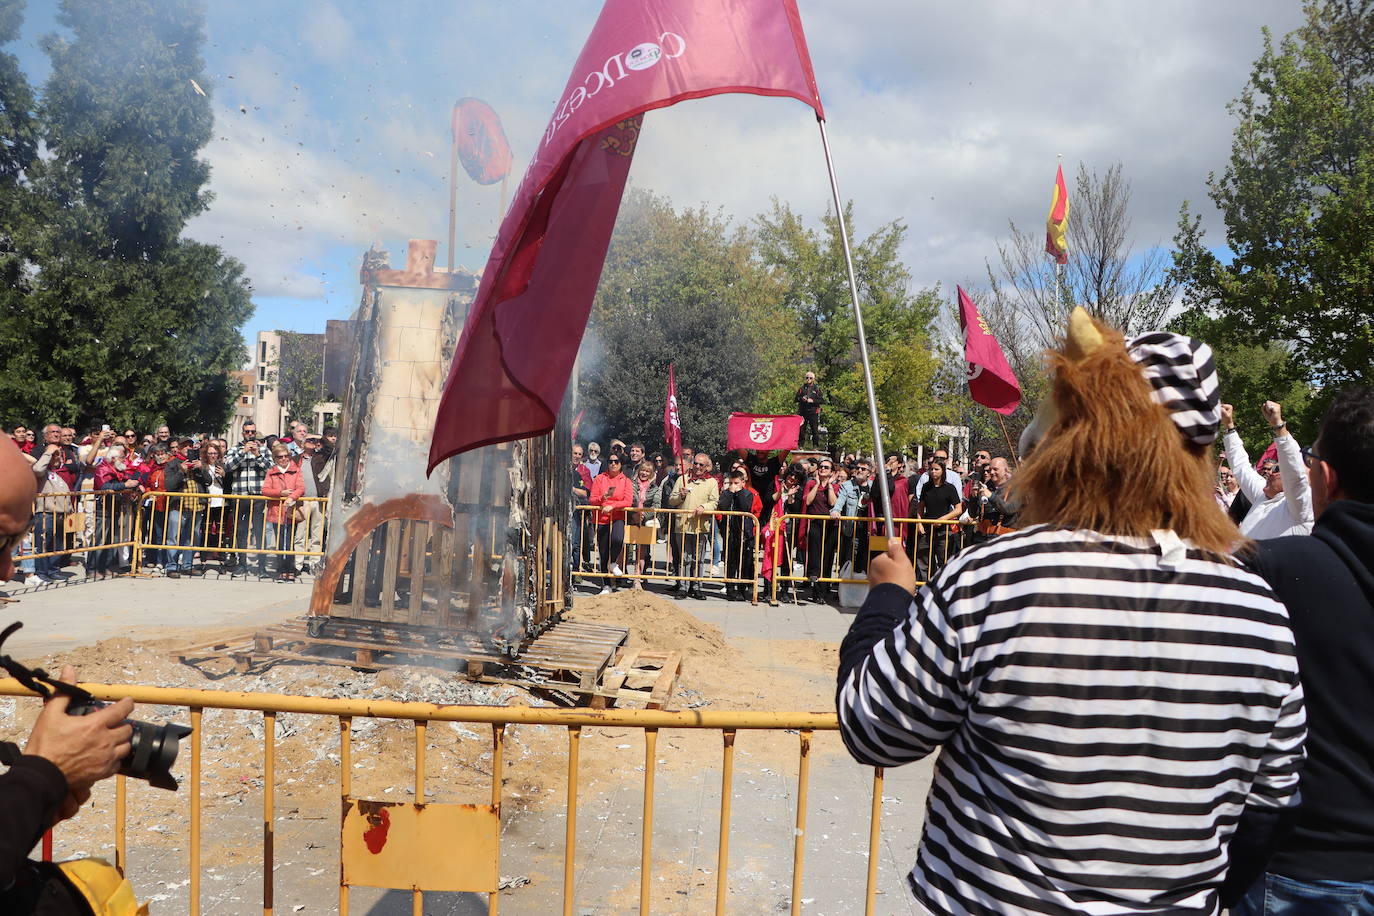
878, 458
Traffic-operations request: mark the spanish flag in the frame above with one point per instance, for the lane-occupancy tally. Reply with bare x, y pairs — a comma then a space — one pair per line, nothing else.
1057, 226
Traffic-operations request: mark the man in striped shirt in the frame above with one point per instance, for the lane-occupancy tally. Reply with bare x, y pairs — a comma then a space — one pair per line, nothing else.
1111, 693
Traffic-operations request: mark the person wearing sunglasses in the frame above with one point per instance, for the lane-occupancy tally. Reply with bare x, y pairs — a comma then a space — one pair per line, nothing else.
1279, 492
697, 492
612, 491
1323, 862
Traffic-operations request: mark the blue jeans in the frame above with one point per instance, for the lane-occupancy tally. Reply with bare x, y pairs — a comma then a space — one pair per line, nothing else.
47, 535
1275, 895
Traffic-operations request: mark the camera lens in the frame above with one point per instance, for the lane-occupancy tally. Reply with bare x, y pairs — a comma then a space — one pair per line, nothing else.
153, 748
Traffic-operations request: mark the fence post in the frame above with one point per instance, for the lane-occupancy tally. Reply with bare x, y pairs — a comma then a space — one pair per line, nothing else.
136, 555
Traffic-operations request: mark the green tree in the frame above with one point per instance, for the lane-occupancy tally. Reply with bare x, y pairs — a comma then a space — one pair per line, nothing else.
121, 318
299, 374
1297, 198
680, 287
808, 264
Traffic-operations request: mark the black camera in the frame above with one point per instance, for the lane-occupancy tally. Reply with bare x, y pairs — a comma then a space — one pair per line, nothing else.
152, 748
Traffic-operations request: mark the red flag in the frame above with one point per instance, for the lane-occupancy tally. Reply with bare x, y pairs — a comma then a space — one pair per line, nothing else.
1272, 452
672, 428
990, 380
762, 432
482, 146
515, 356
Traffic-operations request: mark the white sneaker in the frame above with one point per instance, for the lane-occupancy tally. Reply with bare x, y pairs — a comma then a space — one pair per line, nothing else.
33, 580
615, 570
605, 591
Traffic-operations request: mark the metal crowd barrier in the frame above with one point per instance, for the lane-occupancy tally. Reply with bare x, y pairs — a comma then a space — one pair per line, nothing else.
929, 551
228, 525
659, 551
81, 521
119, 529
466, 854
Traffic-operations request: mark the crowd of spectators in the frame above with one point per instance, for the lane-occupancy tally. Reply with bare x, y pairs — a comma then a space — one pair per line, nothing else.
89, 488
727, 507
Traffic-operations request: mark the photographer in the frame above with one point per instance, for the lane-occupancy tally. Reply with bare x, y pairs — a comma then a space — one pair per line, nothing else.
65, 755
989, 508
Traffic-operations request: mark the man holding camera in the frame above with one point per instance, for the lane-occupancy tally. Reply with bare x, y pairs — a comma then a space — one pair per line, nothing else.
65, 755
990, 509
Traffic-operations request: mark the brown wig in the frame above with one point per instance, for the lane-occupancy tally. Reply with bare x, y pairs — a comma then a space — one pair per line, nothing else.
1111, 459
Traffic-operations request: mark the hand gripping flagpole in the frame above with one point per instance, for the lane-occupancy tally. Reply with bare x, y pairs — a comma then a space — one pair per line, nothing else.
878, 458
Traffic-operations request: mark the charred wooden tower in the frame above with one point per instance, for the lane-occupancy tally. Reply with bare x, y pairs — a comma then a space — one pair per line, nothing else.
470, 561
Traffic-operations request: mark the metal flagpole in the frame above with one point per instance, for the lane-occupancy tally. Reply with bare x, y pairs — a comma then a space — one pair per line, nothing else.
878, 458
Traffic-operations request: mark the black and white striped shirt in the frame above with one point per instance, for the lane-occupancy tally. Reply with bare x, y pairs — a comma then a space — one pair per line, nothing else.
1106, 709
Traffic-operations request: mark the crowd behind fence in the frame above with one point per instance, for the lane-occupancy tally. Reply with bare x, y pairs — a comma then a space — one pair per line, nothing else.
180, 533
735, 551
116, 532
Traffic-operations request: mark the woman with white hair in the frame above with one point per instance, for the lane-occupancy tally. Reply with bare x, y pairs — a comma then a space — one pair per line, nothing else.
116, 483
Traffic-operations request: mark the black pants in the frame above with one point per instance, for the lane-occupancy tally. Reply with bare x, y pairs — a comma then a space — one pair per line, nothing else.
739, 551
934, 548
811, 422
610, 541
854, 548
822, 540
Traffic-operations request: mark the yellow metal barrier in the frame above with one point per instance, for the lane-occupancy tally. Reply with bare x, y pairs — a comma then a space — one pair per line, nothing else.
646, 530
929, 542
82, 521
457, 845
173, 527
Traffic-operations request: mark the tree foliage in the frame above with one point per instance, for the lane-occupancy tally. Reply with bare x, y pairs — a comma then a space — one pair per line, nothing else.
1128, 289
113, 314
298, 374
680, 287
1297, 198
808, 264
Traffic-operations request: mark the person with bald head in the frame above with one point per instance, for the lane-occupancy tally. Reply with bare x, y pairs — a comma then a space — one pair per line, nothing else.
65, 755
989, 507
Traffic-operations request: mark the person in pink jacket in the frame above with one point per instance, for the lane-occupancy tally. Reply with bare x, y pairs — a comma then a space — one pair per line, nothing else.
612, 491
283, 481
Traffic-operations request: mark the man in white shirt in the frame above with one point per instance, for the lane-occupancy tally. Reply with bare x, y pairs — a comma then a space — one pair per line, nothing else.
1280, 496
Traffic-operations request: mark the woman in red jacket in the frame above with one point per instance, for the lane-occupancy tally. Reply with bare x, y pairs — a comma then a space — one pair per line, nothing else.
612, 491
285, 482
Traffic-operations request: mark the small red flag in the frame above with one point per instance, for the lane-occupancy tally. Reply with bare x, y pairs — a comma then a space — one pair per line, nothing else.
762, 432
482, 146
990, 379
672, 428
513, 361
1271, 453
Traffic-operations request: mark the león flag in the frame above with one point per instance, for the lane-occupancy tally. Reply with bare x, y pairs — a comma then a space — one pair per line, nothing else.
1057, 225
513, 361
990, 379
762, 432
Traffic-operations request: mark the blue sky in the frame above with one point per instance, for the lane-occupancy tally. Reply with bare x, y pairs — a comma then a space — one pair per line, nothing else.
332, 123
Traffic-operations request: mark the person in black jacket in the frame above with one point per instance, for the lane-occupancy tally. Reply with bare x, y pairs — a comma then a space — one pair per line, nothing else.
1323, 860
739, 534
65, 755
809, 401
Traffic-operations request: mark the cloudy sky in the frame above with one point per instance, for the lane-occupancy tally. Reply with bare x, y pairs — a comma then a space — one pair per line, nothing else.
332, 123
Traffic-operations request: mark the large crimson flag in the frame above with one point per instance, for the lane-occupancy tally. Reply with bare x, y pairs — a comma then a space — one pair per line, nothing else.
513, 362
1057, 224
762, 432
672, 427
990, 379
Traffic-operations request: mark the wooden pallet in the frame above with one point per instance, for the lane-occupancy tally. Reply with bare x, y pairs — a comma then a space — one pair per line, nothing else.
570, 656
639, 676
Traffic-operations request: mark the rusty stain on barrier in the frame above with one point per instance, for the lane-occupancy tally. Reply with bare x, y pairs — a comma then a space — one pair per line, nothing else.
423, 847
